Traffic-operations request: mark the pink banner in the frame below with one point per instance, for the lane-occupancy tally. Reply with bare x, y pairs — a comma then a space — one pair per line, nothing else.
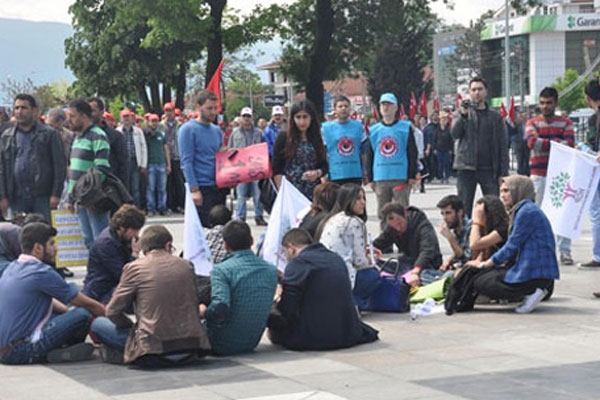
243, 165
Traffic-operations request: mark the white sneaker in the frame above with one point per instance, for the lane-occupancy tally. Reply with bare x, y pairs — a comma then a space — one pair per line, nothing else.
531, 302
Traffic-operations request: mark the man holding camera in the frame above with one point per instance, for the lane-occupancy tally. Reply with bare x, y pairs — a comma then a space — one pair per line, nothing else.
481, 150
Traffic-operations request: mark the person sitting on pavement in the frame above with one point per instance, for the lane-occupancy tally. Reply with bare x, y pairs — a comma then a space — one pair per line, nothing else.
455, 228
324, 198
410, 230
344, 232
160, 288
316, 309
35, 324
243, 287
530, 242
10, 248
115, 247
218, 217
489, 228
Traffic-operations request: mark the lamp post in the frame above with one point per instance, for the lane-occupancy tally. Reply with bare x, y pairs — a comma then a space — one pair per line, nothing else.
507, 53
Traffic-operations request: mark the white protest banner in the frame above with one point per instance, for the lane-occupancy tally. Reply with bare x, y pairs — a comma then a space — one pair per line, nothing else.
570, 187
288, 205
71, 250
195, 246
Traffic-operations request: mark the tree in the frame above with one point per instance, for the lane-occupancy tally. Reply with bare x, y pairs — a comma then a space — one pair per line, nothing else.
467, 54
576, 97
242, 83
12, 87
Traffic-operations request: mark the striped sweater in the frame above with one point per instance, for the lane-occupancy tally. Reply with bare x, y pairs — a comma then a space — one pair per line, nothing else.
89, 149
540, 133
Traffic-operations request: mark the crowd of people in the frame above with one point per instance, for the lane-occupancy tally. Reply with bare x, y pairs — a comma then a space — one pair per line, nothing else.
143, 305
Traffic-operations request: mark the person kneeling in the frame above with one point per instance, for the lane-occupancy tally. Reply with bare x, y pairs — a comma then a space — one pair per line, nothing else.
316, 310
531, 241
161, 288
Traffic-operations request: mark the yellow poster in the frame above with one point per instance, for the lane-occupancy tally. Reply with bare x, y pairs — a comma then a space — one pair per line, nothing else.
69, 239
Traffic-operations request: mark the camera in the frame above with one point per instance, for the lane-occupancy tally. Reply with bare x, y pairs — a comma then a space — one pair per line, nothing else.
465, 103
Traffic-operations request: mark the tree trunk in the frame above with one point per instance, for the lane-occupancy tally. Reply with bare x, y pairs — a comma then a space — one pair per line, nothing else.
319, 57
166, 89
180, 86
215, 40
144, 97
155, 96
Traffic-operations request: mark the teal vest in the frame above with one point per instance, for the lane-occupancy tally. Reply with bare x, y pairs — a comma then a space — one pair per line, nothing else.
389, 144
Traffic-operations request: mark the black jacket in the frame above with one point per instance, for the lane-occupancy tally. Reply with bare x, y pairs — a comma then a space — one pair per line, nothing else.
317, 311
47, 161
419, 243
117, 157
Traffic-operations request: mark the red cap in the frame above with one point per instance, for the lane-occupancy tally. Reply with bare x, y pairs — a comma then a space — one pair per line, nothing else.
107, 115
169, 106
154, 117
125, 113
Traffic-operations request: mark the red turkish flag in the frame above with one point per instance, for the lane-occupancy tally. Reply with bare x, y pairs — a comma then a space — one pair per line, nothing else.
458, 100
436, 102
503, 112
401, 112
511, 110
375, 115
413, 106
423, 105
215, 85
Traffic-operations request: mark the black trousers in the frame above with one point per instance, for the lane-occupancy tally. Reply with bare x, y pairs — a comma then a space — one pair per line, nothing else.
175, 187
212, 196
491, 283
466, 184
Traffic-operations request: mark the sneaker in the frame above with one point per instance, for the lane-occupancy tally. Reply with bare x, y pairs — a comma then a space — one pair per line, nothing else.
531, 302
260, 221
77, 352
566, 259
596, 294
110, 355
65, 272
590, 264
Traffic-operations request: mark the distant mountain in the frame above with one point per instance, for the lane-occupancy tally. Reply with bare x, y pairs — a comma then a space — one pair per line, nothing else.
36, 50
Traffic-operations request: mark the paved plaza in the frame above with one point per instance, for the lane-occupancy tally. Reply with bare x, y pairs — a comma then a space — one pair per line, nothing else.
490, 353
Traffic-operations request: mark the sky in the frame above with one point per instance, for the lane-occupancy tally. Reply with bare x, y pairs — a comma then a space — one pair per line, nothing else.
57, 10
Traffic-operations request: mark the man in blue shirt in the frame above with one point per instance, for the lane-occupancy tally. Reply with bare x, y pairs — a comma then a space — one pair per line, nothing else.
35, 324
392, 158
342, 139
242, 290
199, 140
276, 126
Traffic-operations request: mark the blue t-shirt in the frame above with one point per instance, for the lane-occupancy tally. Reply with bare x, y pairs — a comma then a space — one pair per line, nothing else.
389, 144
26, 292
343, 148
198, 144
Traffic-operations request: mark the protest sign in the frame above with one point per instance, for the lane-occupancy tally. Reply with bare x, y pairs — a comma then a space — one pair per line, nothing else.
71, 250
195, 246
242, 165
286, 214
571, 183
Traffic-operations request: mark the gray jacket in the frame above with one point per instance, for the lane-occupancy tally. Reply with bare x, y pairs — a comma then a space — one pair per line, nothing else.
465, 134
239, 138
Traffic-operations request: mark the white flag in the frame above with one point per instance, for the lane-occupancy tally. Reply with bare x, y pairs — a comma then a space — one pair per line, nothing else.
195, 246
571, 183
289, 204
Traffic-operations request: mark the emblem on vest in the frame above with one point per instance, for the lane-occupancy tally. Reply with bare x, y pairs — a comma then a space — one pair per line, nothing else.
345, 146
388, 147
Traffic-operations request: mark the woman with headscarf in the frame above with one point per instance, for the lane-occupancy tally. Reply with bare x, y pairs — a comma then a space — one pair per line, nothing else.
530, 244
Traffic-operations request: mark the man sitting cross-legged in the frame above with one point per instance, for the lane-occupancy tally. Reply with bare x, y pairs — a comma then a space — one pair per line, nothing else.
35, 324
160, 287
455, 228
316, 310
243, 286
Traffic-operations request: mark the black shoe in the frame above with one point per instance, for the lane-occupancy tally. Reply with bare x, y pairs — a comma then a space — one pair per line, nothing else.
260, 221
110, 355
65, 272
77, 352
566, 259
591, 265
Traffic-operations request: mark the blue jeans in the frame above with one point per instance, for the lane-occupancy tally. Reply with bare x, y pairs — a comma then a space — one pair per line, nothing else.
245, 190
109, 334
443, 160
92, 223
62, 329
366, 283
39, 205
157, 184
133, 183
595, 220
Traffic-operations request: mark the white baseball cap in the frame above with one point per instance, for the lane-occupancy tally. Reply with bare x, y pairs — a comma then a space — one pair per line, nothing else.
277, 110
246, 111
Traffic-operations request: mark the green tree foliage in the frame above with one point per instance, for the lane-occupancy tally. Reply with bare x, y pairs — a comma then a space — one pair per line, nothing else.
576, 97
241, 83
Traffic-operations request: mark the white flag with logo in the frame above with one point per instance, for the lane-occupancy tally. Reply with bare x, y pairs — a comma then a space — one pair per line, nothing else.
571, 184
286, 212
195, 246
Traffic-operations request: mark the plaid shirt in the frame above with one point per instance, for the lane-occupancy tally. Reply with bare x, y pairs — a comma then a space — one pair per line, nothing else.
214, 237
242, 289
532, 242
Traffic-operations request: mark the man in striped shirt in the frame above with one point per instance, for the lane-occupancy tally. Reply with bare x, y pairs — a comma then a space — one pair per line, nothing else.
539, 132
90, 149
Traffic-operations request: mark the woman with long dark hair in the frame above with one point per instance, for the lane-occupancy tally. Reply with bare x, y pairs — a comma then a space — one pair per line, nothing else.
324, 198
299, 154
344, 232
489, 228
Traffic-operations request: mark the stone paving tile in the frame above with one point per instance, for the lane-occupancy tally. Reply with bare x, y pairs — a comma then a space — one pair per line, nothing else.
191, 393
232, 388
300, 396
304, 367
